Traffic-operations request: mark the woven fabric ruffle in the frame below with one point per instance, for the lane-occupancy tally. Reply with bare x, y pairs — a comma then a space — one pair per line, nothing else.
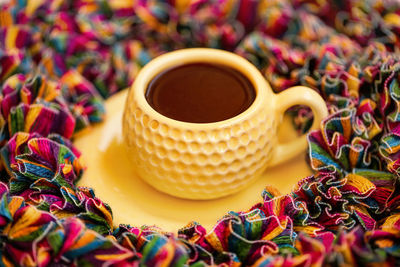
59, 59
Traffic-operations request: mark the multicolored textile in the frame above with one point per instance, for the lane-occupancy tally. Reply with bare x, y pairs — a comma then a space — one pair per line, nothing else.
59, 59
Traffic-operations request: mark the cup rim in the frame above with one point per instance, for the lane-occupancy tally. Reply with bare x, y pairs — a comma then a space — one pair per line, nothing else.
199, 55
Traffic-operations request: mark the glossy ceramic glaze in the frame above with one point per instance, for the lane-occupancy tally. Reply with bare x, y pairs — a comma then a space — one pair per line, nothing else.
210, 160
115, 180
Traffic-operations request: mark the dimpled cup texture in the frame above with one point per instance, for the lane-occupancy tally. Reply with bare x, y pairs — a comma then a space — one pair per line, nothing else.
198, 163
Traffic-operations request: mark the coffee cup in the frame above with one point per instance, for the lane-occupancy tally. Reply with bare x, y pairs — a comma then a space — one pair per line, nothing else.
210, 160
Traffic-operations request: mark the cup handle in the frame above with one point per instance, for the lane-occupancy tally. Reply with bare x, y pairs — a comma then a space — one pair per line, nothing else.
297, 95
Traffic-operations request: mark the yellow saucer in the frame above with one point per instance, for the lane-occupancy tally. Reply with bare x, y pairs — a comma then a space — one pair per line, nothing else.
134, 202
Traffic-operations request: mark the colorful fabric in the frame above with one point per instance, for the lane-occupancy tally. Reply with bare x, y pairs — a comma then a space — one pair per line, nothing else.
60, 59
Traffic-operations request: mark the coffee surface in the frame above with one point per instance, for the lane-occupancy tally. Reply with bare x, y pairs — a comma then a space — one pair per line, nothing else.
200, 93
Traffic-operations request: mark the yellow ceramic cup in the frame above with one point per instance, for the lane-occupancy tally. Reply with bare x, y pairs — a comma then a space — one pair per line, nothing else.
210, 160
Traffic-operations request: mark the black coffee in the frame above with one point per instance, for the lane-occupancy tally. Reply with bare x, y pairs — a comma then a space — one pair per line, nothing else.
200, 93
